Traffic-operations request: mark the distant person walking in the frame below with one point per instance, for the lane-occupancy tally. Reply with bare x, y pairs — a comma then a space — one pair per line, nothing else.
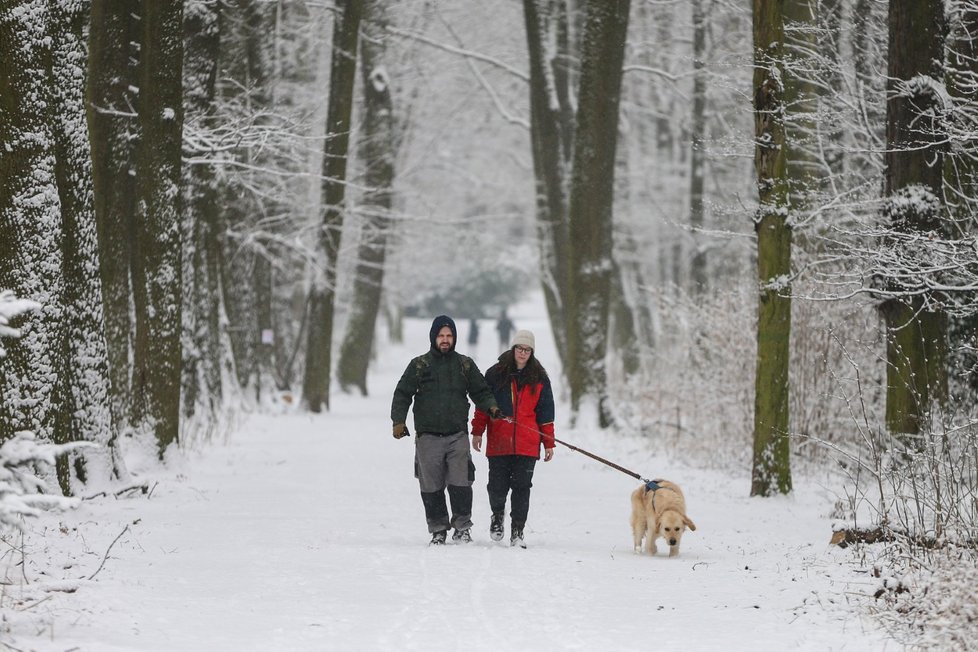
504, 326
473, 332
522, 390
440, 382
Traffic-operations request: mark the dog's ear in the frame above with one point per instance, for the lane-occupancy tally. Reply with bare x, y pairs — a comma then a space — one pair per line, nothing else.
689, 523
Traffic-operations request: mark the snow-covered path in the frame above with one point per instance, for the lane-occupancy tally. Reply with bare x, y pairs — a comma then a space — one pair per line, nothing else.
307, 533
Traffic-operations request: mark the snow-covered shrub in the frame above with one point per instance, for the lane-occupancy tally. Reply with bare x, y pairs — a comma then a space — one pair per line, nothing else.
929, 607
696, 393
21, 491
913, 498
923, 494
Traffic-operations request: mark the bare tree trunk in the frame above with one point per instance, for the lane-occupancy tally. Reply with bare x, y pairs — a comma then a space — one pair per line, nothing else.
771, 466
800, 102
829, 47
238, 294
961, 180
202, 378
112, 51
30, 223
246, 272
868, 23
157, 280
916, 350
551, 135
82, 385
259, 17
697, 157
53, 380
591, 199
623, 333
263, 283
961, 167
378, 149
564, 76
315, 386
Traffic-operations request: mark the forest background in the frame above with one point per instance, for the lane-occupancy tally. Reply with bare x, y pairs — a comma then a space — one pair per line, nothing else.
208, 207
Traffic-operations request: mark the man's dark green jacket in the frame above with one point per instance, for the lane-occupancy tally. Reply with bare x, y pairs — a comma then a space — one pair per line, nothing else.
440, 385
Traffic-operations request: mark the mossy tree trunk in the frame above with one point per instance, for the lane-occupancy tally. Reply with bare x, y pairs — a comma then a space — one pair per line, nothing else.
771, 471
916, 331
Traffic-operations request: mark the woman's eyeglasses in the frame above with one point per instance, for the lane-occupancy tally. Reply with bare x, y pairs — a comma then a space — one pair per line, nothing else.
523, 349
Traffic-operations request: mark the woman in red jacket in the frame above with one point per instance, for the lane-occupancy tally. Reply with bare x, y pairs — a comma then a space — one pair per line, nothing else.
522, 390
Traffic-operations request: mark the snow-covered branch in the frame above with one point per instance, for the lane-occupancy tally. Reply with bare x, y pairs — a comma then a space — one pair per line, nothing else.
11, 307
890, 263
461, 51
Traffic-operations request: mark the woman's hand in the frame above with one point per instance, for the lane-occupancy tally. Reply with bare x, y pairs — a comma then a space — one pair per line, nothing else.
548, 454
477, 442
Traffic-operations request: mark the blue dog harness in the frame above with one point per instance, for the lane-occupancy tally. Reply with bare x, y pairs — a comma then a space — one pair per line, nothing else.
653, 485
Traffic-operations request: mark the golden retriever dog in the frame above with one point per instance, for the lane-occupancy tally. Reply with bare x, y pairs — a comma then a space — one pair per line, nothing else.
659, 510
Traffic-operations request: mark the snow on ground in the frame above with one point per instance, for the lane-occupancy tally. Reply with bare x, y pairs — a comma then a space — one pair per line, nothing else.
307, 533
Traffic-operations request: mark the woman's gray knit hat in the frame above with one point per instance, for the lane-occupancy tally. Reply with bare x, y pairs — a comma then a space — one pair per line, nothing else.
524, 338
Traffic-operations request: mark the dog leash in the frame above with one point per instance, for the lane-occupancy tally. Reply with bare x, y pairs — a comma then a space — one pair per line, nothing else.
650, 485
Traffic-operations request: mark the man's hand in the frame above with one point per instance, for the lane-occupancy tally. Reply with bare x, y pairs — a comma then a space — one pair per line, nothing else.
495, 413
477, 442
548, 454
400, 430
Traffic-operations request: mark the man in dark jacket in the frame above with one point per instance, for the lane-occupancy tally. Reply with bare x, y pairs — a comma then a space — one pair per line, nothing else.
440, 382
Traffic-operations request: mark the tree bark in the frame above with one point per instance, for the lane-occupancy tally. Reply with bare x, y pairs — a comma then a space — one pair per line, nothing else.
868, 24
157, 290
800, 102
202, 377
30, 223
771, 464
830, 49
378, 149
246, 272
591, 198
961, 180
315, 386
112, 129
916, 349
551, 137
259, 18
697, 156
82, 385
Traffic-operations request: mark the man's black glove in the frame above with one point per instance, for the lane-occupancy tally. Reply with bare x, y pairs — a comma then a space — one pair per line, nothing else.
496, 413
400, 430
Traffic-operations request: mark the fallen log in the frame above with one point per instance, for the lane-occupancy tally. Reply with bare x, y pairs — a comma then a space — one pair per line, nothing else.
845, 537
